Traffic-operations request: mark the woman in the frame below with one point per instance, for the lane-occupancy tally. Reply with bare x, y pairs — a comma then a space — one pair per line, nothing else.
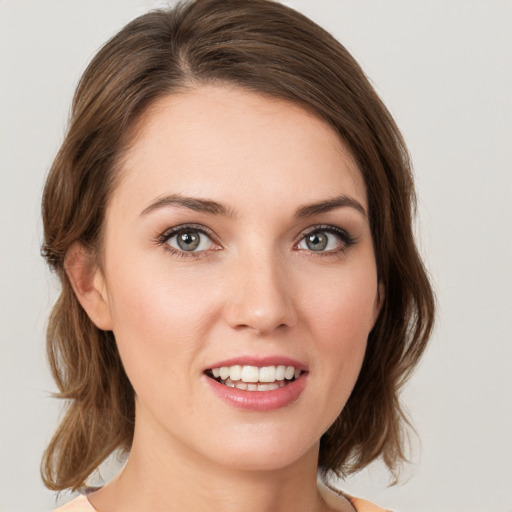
230, 218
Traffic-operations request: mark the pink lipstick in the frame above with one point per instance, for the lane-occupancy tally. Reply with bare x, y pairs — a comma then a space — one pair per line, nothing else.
257, 383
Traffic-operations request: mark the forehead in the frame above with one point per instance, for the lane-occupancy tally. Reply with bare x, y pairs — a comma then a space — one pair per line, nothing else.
237, 146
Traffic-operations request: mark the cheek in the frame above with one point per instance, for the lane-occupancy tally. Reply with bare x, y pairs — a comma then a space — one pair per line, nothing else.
340, 316
156, 329
147, 294
343, 304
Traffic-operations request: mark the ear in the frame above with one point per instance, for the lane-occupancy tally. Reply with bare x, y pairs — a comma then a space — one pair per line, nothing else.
89, 285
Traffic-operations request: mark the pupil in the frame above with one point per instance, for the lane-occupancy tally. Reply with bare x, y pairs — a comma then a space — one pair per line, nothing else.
188, 241
316, 242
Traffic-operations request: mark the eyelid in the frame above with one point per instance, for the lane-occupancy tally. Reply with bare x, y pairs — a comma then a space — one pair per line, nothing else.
347, 239
163, 238
168, 233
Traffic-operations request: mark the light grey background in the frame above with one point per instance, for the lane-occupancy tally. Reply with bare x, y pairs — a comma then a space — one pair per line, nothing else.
444, 68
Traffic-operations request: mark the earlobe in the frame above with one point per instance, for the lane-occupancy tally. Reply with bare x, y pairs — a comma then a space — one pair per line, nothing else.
89, 285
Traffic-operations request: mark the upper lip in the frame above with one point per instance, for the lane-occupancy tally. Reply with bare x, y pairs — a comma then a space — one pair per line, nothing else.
259, 361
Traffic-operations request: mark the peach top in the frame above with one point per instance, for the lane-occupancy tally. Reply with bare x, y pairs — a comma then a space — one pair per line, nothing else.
81, 504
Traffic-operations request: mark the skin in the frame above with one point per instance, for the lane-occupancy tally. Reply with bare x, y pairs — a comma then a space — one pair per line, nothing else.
256, 289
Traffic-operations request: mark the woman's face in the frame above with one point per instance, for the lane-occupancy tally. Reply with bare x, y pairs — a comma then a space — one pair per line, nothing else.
236, 240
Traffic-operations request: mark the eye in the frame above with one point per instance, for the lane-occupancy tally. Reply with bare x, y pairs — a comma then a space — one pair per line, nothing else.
187, 239
326, 239
190, 240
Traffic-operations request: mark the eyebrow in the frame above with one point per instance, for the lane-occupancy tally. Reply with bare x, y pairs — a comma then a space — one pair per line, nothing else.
215, 208
329, 205
192, 203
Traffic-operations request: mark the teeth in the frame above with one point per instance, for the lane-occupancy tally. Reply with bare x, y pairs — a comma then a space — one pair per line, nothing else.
289, 373
235, 372
247, 377
267, 374
250, 373
268, 387
280, 371
253, 386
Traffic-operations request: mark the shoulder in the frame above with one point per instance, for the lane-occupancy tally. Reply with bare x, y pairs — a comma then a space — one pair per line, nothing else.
338, 501
365, 506
80, 504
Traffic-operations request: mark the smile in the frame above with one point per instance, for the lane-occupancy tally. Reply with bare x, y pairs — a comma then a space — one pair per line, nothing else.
254, 378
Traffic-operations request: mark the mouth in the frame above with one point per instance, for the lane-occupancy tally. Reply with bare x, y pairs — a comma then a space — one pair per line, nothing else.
255, 378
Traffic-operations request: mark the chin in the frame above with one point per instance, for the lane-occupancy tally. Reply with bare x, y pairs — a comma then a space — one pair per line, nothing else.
266, 452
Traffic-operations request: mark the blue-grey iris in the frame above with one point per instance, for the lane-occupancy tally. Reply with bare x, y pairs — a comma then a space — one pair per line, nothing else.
316, 241
188, 240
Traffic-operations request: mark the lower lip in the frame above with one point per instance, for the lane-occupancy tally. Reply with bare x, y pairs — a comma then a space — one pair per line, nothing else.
258, 400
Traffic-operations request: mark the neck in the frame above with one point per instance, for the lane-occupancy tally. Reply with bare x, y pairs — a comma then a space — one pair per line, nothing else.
176, 478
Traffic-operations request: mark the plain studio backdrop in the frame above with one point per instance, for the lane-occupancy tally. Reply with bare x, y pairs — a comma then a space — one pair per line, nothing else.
444, 69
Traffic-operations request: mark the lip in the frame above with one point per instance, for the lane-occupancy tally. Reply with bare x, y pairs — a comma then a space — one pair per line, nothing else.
258, 400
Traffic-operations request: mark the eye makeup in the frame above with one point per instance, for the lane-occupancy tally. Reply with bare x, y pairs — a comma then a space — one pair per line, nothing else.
314, 240
196, 240
193, 236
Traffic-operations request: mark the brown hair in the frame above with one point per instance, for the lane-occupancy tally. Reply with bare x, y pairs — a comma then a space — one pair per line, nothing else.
269, 48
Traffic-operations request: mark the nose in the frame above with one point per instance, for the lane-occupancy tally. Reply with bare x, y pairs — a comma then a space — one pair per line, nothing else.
260, 295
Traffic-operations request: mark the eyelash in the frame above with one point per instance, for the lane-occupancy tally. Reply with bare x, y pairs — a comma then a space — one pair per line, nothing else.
168, 234
347, 240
